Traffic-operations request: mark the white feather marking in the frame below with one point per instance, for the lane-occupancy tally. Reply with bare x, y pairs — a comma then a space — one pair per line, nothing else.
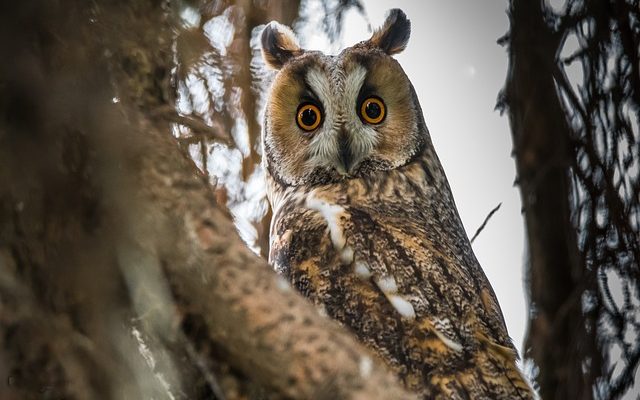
445, 324
387, 284
332, 214
346, 255
362, 270
452, 344
389, 287
402, 306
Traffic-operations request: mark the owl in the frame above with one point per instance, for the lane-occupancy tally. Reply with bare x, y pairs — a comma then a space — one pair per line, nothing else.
364, 222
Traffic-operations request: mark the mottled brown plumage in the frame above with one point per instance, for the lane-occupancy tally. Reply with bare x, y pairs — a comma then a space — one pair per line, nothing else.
365, 224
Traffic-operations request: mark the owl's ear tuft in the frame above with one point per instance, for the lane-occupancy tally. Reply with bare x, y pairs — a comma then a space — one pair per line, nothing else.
393, 35
279, 45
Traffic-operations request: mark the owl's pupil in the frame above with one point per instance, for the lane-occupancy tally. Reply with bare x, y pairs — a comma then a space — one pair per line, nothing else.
308, 117
373, 110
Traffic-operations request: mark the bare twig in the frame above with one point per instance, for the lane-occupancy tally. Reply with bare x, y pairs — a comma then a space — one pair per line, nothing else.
198, 127
475, 235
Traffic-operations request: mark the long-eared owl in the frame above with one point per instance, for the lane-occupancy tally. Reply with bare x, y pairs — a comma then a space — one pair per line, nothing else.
364, 223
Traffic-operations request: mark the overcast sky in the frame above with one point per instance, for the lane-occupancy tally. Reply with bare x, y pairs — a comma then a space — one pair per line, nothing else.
457, 70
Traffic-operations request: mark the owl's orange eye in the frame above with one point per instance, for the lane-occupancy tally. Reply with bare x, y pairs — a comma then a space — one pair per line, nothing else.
309, 117
372, 110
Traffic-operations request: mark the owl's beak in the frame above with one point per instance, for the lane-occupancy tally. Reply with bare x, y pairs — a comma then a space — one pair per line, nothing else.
345, 155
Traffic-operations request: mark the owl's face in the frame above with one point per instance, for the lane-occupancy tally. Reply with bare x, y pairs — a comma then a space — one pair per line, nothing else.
331, 118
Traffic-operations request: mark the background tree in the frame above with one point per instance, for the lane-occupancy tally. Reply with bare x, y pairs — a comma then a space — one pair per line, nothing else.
573, 98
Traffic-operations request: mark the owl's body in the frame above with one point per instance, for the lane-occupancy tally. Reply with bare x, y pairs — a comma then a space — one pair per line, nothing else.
364, 223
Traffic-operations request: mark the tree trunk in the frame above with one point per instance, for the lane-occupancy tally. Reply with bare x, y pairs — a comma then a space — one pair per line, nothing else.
542, 150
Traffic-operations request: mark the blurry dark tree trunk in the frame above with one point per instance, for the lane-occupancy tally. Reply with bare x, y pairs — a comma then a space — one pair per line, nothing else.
577, 155
121, 277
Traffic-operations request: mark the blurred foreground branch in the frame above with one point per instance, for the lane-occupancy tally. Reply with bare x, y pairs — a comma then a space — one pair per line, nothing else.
120, 275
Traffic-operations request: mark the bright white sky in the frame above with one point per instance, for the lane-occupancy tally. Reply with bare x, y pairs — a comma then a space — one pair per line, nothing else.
457, 70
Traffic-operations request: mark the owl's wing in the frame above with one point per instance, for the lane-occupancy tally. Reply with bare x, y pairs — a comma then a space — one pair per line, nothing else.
451, 318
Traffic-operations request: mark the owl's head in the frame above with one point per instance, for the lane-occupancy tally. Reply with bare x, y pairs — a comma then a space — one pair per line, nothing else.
330, 118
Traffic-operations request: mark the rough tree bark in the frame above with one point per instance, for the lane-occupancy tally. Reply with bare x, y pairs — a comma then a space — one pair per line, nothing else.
120, 276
